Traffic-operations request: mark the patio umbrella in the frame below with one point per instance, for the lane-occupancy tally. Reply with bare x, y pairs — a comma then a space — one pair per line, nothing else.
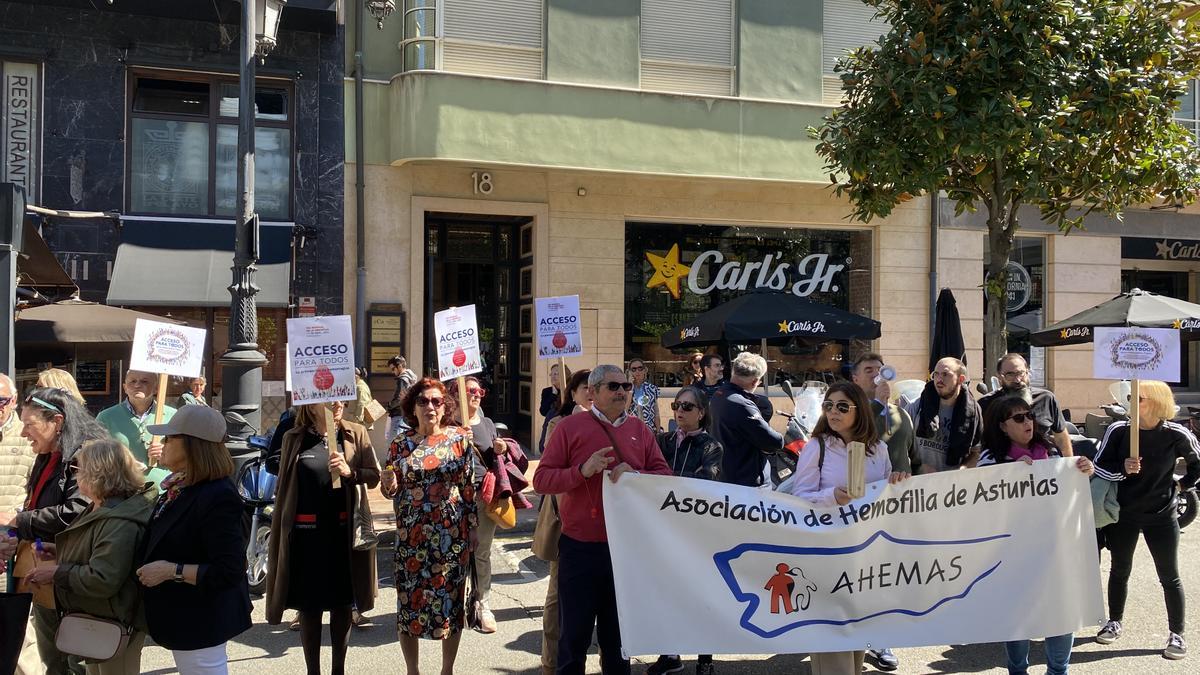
76, 329
947, 331
775, 318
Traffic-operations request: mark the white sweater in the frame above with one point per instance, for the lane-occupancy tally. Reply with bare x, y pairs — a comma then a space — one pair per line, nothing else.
817, 485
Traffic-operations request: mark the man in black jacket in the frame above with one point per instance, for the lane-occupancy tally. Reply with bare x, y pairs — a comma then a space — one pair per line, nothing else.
738, 424
405, 378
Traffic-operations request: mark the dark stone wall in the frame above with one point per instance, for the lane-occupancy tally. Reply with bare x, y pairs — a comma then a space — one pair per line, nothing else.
86, 56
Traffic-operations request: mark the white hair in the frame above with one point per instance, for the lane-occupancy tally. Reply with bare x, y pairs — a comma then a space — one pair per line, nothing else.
600, 372
748, 364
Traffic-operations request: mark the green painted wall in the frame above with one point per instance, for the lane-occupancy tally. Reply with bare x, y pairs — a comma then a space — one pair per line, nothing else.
593, 41
780, 49
381, 48
454, 117
377, 119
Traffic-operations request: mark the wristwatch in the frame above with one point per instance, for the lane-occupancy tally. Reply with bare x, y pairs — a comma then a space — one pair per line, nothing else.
178, 572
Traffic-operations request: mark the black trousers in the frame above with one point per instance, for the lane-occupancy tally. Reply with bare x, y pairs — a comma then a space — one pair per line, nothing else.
587, 599
1162, 538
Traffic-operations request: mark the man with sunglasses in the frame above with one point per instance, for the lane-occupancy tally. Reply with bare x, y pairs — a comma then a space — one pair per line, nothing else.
1049, 423
16, 453
737, 422
579, 451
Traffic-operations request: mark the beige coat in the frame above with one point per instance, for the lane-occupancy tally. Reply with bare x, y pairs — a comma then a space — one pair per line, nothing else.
365, 467
16, 460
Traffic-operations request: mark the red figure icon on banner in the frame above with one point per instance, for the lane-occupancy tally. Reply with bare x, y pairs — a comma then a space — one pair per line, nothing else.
782, 586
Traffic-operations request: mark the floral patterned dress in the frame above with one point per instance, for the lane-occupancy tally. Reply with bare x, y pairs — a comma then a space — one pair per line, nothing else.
435, 514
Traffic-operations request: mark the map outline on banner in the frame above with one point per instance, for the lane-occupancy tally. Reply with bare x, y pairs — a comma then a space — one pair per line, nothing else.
754, 600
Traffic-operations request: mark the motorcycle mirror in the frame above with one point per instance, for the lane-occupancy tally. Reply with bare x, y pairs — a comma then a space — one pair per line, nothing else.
786, 385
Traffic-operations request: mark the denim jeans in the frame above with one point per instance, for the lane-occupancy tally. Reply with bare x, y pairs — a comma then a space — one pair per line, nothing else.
1058, 655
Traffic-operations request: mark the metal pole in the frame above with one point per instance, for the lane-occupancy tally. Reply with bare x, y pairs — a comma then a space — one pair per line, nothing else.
241, 364
360, 216
12, 216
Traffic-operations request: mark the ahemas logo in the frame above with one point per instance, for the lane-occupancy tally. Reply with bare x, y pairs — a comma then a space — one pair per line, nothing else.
839, 586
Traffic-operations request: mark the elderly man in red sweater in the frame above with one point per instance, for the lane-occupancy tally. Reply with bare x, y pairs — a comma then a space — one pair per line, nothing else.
582, 448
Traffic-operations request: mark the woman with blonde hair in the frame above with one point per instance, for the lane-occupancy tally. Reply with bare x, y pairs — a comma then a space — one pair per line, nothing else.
1146, 492
60, 379
96, 556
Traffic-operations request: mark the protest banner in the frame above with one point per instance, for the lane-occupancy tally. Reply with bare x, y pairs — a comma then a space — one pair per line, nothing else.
1135, 354
960, 557
457, 337
321, 367
166, 349
559, 332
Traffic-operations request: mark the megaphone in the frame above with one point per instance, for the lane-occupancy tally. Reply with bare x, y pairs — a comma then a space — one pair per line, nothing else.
886, 374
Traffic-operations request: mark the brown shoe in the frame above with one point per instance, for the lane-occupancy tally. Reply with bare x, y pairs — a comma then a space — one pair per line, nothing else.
358, 620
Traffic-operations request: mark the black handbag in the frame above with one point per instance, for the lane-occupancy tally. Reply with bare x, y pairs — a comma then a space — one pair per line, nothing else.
474, 608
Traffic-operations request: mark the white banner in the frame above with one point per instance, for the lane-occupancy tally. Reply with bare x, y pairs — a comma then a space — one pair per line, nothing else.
321, 356
559, 329
1136, 353
959, 557
167, 348
457, 337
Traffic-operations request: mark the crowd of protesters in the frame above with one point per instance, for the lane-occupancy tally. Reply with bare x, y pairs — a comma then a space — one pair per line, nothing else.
123, 520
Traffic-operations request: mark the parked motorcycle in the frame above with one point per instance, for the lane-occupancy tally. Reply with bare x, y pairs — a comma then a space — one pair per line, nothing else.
782, 464
257, 489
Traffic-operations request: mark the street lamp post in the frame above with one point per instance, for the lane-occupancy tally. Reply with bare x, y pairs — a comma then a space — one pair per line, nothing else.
242, 362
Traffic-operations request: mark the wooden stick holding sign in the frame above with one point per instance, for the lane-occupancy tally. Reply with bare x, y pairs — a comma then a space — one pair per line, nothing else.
159, 404
461, 383
331, 442
856, 466
563, 394
1135, 418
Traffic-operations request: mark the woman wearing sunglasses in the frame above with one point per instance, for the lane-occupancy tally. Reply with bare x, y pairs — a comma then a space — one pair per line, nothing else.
821, 478
1008, 436
488, 444
692, 373
1146, 491
313, 566
643, 402
431, 476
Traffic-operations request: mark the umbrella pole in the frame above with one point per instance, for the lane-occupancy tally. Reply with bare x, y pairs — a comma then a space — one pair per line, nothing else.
763, 350
1135, 418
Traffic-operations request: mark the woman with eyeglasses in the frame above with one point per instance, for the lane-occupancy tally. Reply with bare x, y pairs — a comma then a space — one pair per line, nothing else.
1146, 492
643, 402
56, 426
692, 453
821, 478
1008, 436
488, 444
313, 566
431, 476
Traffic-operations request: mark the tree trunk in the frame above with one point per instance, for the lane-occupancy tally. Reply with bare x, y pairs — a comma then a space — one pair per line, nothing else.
1002, 227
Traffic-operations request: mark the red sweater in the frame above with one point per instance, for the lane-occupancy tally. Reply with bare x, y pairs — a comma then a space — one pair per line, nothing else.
580, 504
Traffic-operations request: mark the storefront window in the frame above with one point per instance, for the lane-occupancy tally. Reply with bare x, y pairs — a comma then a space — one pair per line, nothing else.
1025, 296
674, 272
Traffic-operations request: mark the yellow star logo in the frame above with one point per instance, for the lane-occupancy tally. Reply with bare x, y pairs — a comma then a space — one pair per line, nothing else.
1063, 334
1177, 324
783, 327
668, 271
1162, 250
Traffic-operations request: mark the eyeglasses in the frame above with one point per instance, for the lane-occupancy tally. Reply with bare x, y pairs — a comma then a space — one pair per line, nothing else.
1014, 373
617, 386
436, 402
1022, 418
479, 392
1129, 398
5, 400
686, 406
842, 406
637, 369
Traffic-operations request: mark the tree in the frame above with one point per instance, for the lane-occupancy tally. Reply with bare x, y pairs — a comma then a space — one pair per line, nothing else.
1063, 104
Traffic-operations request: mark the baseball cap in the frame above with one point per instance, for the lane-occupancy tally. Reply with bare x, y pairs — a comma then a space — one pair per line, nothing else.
200, 421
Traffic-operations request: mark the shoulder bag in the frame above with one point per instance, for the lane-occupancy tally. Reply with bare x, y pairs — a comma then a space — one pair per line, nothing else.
547, 531
90, 637
500, 510
25, 562
365, 537
373, 411
474, 609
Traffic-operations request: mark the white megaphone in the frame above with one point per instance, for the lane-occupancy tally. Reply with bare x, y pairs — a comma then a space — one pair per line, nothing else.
886, 374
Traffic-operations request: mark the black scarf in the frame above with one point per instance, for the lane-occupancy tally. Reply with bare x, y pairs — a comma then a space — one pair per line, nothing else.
962, 421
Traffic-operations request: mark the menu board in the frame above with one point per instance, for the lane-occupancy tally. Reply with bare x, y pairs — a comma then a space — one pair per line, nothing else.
92, 377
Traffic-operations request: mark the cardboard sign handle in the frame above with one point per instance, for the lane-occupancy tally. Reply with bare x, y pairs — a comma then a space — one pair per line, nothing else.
562, 372
856, 483
461, 383
331, 442
159, 403
1135, 418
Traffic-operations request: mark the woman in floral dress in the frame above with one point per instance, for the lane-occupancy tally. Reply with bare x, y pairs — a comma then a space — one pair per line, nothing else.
429, 474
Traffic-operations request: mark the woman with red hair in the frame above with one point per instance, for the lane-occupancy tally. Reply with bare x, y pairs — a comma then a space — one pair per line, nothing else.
430, 476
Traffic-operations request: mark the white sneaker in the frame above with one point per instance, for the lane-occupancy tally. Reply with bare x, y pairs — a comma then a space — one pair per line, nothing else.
1176, 648
1109, 633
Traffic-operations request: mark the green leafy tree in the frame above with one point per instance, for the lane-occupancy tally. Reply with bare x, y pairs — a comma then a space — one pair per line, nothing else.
1063, 104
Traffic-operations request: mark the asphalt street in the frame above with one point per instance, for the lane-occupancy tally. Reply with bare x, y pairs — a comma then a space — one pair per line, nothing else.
519, 588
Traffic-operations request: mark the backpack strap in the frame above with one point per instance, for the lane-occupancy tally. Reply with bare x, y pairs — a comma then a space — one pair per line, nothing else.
821, 457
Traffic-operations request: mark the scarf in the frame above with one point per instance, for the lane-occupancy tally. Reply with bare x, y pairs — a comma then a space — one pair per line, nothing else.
962, 421
171, 488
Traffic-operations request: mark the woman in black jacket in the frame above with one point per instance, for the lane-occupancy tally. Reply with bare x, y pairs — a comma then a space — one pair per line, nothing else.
196, 595
1146, 493
56, 425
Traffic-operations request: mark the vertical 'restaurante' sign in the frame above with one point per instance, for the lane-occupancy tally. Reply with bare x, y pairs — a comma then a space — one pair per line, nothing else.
21, 116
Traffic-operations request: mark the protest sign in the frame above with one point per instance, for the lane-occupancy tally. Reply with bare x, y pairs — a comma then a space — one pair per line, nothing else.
167, 348
1136, 353
960, 557
559, 329
457, 338
321, 359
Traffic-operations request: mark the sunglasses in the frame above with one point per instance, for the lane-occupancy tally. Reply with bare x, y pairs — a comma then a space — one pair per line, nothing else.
477, 391
841, 406
686, 406
5, 400
1022, 418
617, 386
435, 402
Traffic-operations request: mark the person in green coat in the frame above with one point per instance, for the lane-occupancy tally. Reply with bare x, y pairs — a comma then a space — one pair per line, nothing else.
94, 559
127, 420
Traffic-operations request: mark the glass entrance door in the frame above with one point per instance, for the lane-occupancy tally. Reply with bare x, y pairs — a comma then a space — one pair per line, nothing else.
471, 259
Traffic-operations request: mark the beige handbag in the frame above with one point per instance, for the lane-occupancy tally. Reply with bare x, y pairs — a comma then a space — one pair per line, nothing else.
90, 637
373, 411
547, 531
